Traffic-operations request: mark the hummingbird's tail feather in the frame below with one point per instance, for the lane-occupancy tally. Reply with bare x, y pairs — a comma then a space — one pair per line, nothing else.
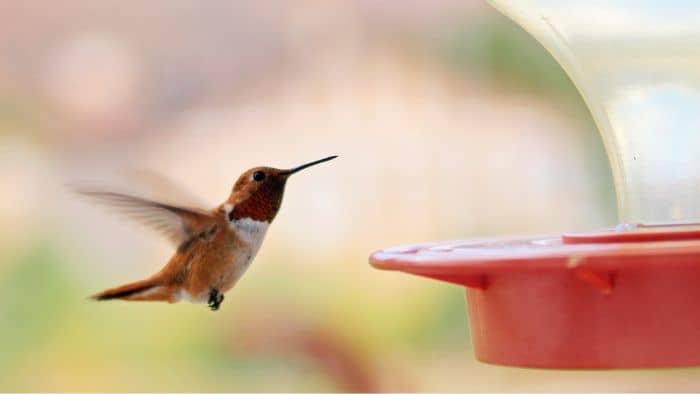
143, 290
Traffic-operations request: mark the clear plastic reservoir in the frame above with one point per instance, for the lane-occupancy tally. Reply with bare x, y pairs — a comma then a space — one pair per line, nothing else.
637, 64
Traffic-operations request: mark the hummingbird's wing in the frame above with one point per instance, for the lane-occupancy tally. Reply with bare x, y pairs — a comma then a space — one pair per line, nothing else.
162, 187
177, 223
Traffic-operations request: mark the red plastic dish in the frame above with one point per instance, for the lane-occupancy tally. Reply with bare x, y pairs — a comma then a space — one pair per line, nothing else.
600, 300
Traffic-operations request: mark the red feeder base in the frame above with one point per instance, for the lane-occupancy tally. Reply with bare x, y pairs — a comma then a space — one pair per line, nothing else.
603, 300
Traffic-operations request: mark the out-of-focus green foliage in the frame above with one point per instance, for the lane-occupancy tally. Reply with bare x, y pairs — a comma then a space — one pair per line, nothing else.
497, 49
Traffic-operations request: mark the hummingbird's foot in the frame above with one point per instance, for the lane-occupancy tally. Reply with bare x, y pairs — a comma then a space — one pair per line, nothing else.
215, 299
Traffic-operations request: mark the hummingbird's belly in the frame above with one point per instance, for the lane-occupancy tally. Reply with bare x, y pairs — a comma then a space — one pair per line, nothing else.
221, 267
222, 276
238, 265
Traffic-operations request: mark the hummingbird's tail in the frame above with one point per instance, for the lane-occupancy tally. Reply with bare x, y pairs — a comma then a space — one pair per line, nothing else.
144, 290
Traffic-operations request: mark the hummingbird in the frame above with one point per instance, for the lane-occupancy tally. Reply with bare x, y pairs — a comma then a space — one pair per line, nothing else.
214, 246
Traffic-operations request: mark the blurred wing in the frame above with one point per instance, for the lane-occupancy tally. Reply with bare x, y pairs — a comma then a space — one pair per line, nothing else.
162, 186
177, 223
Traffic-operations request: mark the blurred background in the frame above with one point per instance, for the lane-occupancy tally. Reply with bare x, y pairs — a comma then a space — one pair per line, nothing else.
449, 120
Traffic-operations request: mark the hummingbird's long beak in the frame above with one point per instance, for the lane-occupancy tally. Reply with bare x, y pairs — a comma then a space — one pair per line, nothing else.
307, 165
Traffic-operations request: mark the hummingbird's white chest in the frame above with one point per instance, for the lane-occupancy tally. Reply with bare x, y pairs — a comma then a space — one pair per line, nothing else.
251, 234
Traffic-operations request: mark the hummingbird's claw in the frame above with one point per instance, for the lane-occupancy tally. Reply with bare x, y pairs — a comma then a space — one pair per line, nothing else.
215, 299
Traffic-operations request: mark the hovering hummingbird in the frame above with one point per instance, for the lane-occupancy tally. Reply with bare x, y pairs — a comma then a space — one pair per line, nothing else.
214, 247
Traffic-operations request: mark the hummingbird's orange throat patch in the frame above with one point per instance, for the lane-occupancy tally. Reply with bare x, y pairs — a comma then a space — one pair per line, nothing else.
261, 205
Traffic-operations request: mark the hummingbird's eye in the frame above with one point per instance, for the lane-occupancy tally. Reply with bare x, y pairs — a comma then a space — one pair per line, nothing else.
258, 176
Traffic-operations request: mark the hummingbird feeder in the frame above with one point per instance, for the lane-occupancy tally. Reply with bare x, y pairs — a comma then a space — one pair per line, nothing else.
627, 297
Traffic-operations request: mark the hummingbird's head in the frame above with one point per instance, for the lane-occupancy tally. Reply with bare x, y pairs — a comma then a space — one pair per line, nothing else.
257, 194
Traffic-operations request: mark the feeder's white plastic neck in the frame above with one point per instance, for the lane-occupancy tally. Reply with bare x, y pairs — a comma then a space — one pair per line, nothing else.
637, 65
